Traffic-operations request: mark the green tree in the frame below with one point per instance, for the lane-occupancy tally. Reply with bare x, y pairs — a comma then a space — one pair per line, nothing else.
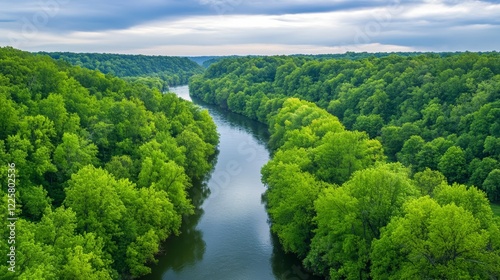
121, 167
93, 194
80, 266
428, 180
290, 200
410, 150
343, 153
150, 218
492, 185
492, 146
39, 131
479, 170
33, 259
452, 164
471, 199
350, 217
371, 124
141, 252
169, 177
9, 118
197, 153
53, 108
434, 241
34, 201
57, 228
73, 154
392, 141
17, 151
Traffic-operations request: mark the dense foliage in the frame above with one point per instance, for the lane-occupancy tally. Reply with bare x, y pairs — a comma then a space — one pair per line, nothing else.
102, 168
428, 111
334, 197
158, 71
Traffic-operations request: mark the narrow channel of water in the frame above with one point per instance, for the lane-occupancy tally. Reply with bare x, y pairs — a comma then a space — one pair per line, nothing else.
229, 236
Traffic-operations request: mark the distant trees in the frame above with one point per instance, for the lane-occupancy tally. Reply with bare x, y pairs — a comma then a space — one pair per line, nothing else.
158, 72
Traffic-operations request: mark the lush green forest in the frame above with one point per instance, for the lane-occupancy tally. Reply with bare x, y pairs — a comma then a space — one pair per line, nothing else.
383, 167
158, 71
101, 168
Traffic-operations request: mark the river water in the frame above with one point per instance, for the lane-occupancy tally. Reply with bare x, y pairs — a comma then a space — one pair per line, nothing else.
229, 236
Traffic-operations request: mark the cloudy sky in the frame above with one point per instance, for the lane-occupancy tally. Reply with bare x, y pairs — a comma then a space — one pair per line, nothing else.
222, 27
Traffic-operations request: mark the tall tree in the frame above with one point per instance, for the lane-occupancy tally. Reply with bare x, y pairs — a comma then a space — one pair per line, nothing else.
452, 164
434, 241
343, 153
492, 185
350, 217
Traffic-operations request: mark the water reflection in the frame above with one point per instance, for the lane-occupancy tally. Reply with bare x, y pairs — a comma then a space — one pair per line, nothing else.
256, 129
229, 237
179, 252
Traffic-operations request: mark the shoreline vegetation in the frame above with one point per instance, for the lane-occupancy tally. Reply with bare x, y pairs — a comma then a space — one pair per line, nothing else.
103, 168
382, 167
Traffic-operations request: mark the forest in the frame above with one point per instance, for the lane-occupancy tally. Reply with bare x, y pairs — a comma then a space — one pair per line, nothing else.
160, 72
383, 167
101, 168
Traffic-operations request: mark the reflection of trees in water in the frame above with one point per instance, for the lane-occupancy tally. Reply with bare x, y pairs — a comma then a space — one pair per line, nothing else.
287, 266
189, 247
258, 130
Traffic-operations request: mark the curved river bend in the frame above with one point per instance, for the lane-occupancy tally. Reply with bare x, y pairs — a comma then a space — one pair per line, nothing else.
229, 236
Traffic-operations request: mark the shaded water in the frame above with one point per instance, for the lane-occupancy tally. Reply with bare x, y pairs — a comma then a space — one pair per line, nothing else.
229, 235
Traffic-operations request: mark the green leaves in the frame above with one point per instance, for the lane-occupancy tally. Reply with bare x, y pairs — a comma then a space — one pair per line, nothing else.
290, 197
79, 266
141, 252
343, 153
147, 70
58, 125
121, 215
92, 194
436, 241
197, 153
9, 118
492, 185
438, 114
350, 217
452, 164
428, 180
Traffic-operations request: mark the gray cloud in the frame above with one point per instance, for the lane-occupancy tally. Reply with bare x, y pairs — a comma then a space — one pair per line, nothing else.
97, 15
197, 25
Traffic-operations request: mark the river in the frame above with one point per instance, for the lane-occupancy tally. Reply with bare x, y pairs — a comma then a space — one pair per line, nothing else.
229, 235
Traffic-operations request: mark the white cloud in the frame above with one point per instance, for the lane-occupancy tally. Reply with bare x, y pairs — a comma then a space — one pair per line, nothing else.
440, 11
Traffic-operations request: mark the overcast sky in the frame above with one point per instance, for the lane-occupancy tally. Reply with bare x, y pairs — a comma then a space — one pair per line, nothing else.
223, 27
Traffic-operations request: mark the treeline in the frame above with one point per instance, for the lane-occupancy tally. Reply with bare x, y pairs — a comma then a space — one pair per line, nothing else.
102, 168
363, 55
334, 197
155, 71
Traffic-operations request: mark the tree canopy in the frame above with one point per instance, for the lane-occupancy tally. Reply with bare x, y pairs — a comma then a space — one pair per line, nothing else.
154, 71
447, 99
103, 167
339, 198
